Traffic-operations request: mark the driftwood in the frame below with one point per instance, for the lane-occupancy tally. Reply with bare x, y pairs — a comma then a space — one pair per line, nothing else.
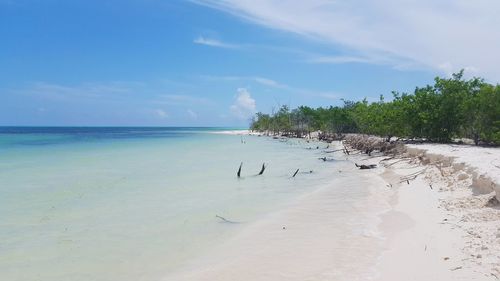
366, 167
326, 159
332, 151
386, 159
412, 176
239, 170
346, 151
225, 220
400, 160
262, 169
294, 174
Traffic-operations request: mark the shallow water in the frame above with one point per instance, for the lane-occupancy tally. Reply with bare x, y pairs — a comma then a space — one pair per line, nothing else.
138, 203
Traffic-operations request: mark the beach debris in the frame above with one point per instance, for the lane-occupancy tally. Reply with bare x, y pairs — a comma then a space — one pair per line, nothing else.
446, 258
225, 220
345, 150
326, 159
386, 159
239, 171
332, 151
294, 174
456, 268
412, 176
365, 167
262, 169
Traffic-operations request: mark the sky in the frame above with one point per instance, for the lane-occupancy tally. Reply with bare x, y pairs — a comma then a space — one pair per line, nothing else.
218, 62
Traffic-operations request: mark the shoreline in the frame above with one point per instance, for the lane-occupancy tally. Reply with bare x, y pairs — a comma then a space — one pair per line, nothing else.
295, 243
418, 233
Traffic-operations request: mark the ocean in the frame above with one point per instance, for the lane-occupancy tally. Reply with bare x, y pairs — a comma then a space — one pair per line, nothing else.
125, 204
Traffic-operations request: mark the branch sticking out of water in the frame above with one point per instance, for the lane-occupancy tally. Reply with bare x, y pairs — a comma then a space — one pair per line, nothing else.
262, 169
239, 171
225, 220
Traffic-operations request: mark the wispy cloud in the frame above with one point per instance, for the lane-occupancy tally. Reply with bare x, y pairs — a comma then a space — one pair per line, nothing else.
257, 79
182, 100
277, 85
193, 115
451, 33
77, 92
214, 43
309, 57
270, 83
341, 60
161, 113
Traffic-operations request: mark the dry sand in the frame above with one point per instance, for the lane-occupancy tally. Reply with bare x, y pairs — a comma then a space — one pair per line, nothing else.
445, 222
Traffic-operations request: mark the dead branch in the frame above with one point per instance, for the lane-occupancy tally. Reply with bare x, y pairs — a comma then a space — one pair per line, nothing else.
262, 169
239, 170
225, 220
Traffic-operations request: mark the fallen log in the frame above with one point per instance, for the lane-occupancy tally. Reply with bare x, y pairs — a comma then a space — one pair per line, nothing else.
366, 167
294, 174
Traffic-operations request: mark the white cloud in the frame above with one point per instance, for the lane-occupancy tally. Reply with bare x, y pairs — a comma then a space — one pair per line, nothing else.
213, 43
244, 106
193, 115
161, 113
404, 33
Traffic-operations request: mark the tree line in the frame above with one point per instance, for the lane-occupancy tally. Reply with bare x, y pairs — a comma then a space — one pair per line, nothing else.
451, 108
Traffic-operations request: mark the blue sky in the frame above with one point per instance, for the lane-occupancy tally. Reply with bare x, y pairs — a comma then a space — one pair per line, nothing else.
214, 63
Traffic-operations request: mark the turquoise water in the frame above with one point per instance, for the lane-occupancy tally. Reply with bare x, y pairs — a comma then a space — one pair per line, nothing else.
136, 203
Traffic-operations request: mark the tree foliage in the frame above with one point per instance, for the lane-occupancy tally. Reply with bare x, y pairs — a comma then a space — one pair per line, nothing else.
451, 108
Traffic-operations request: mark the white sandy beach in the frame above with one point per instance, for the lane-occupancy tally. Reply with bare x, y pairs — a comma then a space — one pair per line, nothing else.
433, 227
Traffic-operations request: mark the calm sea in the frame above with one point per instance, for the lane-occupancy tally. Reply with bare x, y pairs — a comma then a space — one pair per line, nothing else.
136, 203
